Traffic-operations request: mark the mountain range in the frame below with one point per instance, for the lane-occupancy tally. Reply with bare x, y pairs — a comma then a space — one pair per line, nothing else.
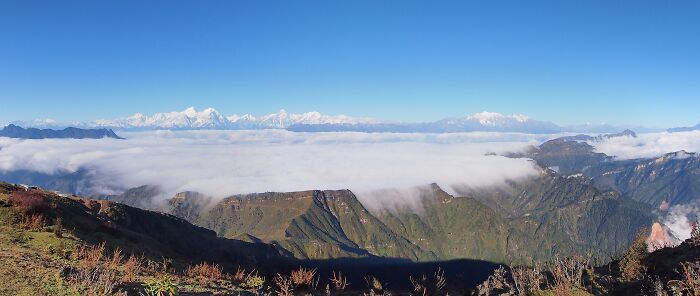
684, 129
670, 179
13, 131
191, 119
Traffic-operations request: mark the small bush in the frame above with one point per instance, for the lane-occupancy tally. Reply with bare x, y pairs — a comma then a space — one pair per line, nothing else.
205, 272
94, 281
376, 287
239, 276
690, 285
116, 260
303, 277
429, 285
163, 286
89, 256
339, 281
29, 202
33, 222
568, 273
496, 284
284, 285
253, 281
527, 280
18, 237
131, 267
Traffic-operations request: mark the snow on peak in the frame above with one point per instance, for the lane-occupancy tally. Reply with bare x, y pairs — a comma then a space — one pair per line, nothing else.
210, 118
191, 112
493, 118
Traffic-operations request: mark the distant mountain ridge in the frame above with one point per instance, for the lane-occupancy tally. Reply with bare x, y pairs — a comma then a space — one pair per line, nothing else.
192, 119
671, 178
684, 129
14, 131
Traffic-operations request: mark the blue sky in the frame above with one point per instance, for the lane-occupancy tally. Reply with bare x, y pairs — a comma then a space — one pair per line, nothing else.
620, 62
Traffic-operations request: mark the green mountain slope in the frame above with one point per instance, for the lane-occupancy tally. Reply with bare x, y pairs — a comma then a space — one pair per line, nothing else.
527, 220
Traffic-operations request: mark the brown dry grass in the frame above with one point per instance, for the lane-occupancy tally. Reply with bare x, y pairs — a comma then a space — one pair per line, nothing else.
116, 260
33, 222
284, 285
340, 282
303, 277
131, 268
205, 272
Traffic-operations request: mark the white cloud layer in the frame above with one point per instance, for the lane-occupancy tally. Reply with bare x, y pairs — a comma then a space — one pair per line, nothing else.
649, 145
680, 218
221, 163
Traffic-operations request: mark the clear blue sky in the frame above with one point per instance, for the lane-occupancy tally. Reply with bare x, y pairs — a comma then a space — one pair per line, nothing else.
621, 62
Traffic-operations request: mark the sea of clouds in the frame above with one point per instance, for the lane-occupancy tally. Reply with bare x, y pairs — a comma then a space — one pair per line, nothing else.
383, 169
649, 145
222, 163
679, 218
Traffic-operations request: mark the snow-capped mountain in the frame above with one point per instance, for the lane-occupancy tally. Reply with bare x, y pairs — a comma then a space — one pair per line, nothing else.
192, 119
210, 118
490, 121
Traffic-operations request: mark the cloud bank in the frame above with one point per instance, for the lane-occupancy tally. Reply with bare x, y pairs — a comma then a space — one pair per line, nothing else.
222, 163
649, 145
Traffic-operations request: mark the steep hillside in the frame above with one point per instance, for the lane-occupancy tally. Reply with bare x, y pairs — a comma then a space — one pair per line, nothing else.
571, 209
673, 178
528, 220
53, 245
138, 231
308, 224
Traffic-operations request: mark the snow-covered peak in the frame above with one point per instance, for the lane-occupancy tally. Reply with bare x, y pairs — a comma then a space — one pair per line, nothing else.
191, 112
493, 118
211, 118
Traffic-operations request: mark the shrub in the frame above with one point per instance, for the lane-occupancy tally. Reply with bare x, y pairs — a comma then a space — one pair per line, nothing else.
239, 276
18, 236
253, 281
496, 284
205, 272
631, 264
89, 256
284, 285
131, 267
33, 222
339, 281
568, 273
162, 267
29, 202
429, 286
117, 258
303, 277
94, 281
163, 286
375, 285
527, 280
690, 285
